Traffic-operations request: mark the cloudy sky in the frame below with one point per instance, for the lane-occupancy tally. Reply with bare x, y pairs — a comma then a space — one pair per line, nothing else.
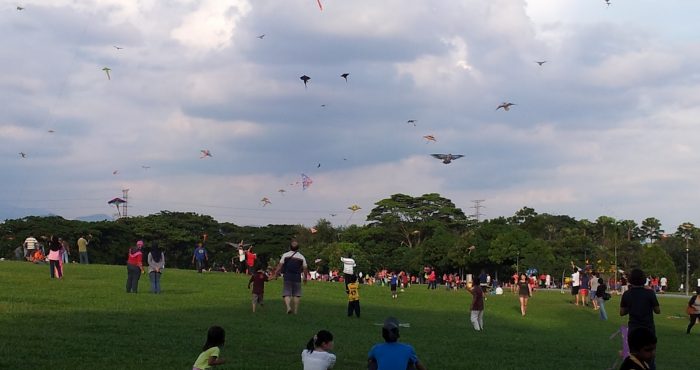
608, 126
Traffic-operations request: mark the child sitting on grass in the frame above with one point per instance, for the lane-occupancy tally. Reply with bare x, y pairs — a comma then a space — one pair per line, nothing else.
216, 336
643, 350
316, 355
258, 280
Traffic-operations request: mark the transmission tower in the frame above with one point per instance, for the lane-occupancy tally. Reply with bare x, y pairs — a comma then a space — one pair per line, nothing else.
125, 196
477, 209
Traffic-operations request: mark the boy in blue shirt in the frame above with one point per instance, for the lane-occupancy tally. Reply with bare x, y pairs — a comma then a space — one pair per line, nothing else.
392, 355
200, 256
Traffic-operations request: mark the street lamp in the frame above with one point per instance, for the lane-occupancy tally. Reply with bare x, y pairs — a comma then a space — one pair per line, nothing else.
687, 227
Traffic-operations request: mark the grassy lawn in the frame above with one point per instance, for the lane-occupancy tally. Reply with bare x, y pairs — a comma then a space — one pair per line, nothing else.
88, 321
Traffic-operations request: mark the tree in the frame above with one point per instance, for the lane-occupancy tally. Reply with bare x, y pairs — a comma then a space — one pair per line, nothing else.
508, 246
651, 229
656, 262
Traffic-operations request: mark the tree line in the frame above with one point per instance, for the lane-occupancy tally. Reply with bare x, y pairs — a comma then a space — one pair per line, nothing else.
402, 232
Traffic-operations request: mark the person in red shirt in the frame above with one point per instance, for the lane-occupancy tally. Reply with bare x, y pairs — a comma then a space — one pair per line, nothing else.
432, 280
134, 267
258, 280
250, 258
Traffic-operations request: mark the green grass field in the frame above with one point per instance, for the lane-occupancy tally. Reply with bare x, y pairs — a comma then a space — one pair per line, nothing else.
88, 321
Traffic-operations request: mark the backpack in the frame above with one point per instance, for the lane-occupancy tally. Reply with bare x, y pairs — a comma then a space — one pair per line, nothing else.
606, 296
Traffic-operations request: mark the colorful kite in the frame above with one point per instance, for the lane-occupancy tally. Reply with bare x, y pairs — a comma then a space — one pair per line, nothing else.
305, 181
313, 230
320, 6
107, 69
354, 208
265, 201
429, 138
117, 202
205, 153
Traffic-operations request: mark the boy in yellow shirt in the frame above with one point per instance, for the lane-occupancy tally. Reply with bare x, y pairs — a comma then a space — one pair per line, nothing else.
353, 297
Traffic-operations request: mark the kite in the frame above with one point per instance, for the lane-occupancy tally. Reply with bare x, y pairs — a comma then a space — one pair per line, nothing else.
506, 106
354, 208
23, 154
118, 47
117, 202
265, 201
318, 165
146, 167
51, 131
333, 214
320, 6
261, 36
305, 181
413, 121
429, 138
20, 8
447, 158
541, 63
281, 191
107, 69
313, 230
606, 1
345, 76
471, 249
323, 105
115, 172
305, 78
318, 260
205, 153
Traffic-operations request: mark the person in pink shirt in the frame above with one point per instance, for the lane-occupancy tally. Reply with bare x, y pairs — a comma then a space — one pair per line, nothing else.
134, 267
55, 257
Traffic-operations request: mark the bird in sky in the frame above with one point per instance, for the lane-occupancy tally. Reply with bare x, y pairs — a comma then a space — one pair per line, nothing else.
118, 47
345, 76
19, 7
541, 63
506, 106
261, 36
205, 153
413, 121
305, 78
107, 69
23, 154
447, 158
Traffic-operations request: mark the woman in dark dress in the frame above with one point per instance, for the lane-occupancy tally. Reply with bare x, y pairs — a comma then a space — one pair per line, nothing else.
524, 292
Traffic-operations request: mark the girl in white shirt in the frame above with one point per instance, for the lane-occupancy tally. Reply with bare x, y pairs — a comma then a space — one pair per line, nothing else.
316, 355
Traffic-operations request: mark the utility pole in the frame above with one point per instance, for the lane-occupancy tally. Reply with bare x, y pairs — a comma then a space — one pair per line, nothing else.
477, 209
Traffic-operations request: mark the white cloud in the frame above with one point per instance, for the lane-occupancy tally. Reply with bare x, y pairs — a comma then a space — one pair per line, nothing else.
212, 25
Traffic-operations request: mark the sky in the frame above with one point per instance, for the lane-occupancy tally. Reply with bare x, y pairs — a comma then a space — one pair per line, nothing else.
607, 126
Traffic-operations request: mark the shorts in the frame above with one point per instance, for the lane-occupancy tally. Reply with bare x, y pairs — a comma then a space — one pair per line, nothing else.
574, 290
583, 291
258, 298
291, 289
393, 287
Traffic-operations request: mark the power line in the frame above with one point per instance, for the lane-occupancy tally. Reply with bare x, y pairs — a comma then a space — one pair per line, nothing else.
477, 207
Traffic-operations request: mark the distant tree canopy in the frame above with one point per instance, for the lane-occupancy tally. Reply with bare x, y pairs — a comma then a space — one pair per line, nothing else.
402, 233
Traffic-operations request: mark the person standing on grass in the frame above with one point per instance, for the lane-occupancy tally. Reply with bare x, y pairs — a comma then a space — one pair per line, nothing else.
258, 280
55, 257
393, 282
200, 257
640, 304
584, 288
134, 267
392, 355
575, 283
293, 267
524, 293
353, 297
82, 250
250, 258
156, 264
348, 269
693, 309
316, 356
65, 250
216, 337
241, 258
599, 298
477, 309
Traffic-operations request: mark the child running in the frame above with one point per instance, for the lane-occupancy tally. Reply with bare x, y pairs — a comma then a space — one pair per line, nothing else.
316, 355
353, 296
216, 336
258, 280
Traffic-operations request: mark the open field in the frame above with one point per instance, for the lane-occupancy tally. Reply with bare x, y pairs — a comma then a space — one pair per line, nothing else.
88, 321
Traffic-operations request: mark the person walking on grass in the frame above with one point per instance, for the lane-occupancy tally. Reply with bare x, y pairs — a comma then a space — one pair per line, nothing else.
640, 304
258, 280
200, 257
353, 297
392, 355
524, 293
210, 356
156, 264
693, 309
134, 267
316, 356
601, 295
594, 288
293, 267
55, 257
477, 309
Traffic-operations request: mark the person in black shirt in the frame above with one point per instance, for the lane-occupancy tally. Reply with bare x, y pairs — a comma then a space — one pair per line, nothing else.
641, 305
